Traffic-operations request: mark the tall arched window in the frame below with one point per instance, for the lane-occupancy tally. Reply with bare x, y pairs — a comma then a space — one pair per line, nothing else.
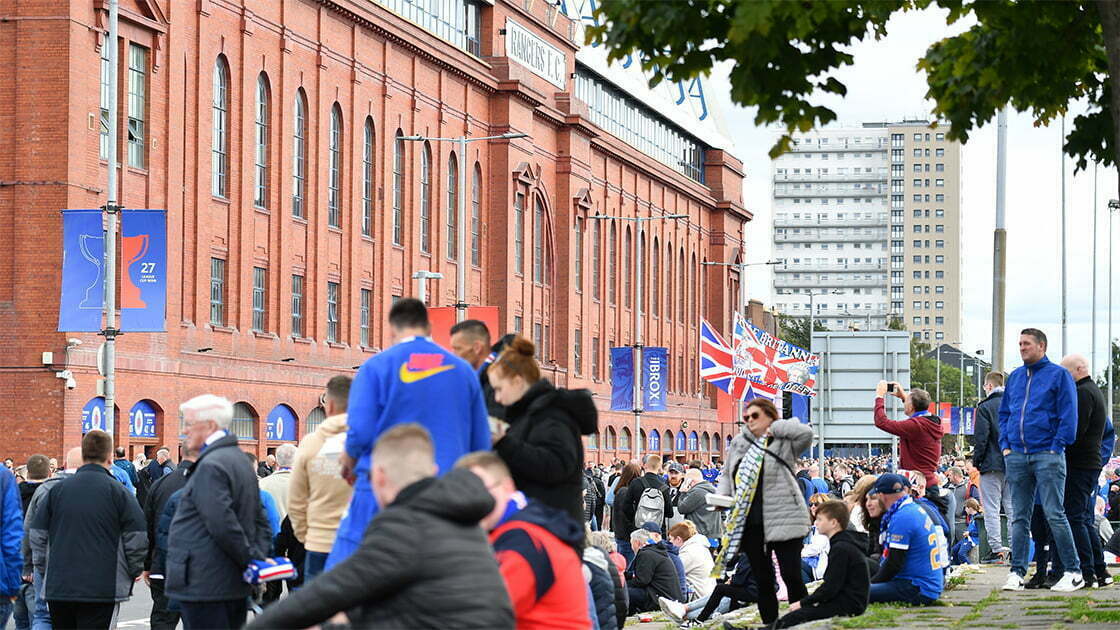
299, 156
627, 276
398, 189
260, 157
476, 217
596, 252
694, 302
624, 439
612, 266
683, 288
655, 276
367, 178
519, 232
334, 169
578, 261
452, 208
642, 287
219, 144
426, 199
244, 424
669, 280
538, 240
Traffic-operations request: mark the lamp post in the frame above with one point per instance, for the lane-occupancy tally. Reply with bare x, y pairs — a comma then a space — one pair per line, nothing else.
422, 277
461, 259
979, 369
1113, 207
640, 222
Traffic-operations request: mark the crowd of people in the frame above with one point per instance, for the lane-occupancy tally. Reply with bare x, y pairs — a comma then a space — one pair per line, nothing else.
450, 489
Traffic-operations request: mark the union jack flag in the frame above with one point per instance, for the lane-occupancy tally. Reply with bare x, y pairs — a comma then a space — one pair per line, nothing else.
774, 366
719, 364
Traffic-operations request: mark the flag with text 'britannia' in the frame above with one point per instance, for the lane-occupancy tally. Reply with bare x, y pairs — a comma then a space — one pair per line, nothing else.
717, 364
776, 365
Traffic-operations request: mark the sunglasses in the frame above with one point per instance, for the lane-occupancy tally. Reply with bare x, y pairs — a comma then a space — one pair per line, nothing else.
754, 416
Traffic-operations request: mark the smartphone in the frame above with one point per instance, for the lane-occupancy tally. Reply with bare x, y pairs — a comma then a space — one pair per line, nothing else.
890, 387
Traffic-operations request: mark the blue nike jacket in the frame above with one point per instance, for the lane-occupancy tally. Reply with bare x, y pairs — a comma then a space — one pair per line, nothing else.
1038, 412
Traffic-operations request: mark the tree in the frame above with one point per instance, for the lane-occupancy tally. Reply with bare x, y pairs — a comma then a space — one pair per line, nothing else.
1036, 56
923, 373
1102, 380
796, 330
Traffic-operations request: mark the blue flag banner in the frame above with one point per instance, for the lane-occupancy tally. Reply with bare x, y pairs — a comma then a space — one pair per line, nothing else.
281, 424
655, 367
800, 405
83, 277
143, 283
968, 420
141, 420
679, 441
93, 415
955, 421
622, 379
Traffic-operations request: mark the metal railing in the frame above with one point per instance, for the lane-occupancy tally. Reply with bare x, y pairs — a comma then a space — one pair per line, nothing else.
880, 144
830, 177
784, 282
832, 191
814, 222
828, 238
813, 267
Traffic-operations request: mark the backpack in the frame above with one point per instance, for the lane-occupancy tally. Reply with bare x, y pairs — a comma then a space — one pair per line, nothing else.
651, 506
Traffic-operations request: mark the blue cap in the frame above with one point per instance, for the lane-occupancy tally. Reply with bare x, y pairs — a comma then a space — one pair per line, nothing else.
652, 527
891, 483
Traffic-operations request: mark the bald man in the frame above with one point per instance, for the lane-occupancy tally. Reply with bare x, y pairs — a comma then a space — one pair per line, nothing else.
1083, 462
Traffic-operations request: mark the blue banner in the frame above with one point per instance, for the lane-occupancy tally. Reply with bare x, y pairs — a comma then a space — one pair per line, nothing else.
655, 369
679, 441
622, 379
968, 420
141, 420
281, 424
143, 287
93, 415
800, 407
83, 277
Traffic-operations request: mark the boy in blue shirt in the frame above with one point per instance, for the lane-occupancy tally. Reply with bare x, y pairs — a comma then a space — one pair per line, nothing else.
964, 546
418, 381
911, 571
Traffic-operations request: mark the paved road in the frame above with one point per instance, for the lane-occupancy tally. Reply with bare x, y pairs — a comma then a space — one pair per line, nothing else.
134, 612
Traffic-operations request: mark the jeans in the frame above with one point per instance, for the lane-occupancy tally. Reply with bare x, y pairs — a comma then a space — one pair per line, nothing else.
898, 590
313, 564
41, 618
625, 550
693, 608
1045, 472
1081, 491
996, 495
24, 607
5, 611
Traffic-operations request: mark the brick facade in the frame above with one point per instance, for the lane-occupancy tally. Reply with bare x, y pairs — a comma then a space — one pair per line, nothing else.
380, 70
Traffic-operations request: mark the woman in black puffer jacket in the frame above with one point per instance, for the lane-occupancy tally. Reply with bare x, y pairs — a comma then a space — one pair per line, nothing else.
543, 446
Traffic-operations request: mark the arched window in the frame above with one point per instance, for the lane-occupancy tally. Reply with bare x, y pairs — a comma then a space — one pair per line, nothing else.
627, 275
219, 144
367, 178
624, 439
694, 302
654, 442
539, 265
679, 442
426, 199
299, 156
643, 286
519, 233
476, 217
260, 157
693, 441
398, 189
705, 442
578, 260
334, 169
593, 441
683, 288
610, 443
716, 444
596, 262
655, 276
244, 424
314, 419
667, 440
452, 208
641, 438
670, 279
612, 266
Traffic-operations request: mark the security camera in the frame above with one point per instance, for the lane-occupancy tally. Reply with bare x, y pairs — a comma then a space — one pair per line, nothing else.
71, 383
73, 342
69, 377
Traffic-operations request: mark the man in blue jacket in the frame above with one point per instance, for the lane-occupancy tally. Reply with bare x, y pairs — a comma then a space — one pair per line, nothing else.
415, 380
1037, 421
11, 537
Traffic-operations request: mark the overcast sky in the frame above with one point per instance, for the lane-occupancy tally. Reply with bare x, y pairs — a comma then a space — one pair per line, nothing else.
884, 85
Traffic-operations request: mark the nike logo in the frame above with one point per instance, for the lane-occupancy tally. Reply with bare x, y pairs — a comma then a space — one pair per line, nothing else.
412, 376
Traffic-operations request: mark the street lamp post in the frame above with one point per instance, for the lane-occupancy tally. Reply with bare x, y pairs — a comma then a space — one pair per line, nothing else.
1113, 207
422, 278
640, 222
461, 237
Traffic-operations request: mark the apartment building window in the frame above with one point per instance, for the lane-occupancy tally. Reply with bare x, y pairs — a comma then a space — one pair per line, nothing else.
917, 183
939, 152
896, 170
897, 185
367, 178
538, 339
137, 105
897, 202
452, 208
938, 275
940, 305
939, 167
940, 136
917, 198
897, 140
939, 260
917, 153
519, 233
939, 244
939, 289
103, 151
260, 281
299, 156
917, 244
939, 228
940, 336
577, 351
940, 212
917, 275
917, 168
917, 305
476, 217
398, 189
332, 312
940, 183
297, 305
897, 155
917, 137
939, 198
363, 318
217, 292
219, 140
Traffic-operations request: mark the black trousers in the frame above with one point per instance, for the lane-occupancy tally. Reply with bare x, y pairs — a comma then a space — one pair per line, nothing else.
789, 563
162, 618
81, 615
640, 600
740, 596
825, 610
214, 615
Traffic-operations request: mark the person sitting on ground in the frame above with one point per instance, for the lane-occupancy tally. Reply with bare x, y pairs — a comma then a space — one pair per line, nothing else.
911, 569
964, 546
847, 582
856, 500
651, 575
674, 556
736, 591
605, 542
814, 552
695, 557
601, 578
537, 547
423, 563
926, 499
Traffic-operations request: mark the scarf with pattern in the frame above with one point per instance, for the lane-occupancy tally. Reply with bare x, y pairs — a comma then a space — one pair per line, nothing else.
746, 484
886, 520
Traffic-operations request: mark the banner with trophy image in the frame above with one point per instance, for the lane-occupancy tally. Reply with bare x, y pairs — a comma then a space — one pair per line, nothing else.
143, 286
83, 277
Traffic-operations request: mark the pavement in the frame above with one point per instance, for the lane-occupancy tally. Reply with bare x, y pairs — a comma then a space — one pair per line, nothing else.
975, 601
133, 614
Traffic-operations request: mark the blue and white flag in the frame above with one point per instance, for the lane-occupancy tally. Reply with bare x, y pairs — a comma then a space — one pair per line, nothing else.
83, 276
655, 368
622, 379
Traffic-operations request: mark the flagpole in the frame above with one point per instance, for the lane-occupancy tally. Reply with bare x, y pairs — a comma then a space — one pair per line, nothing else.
111, 209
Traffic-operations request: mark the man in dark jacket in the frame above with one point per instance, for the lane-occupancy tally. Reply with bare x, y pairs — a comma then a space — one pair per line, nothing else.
38, 470
423, 563
651, 575
11, 536
218, 528
35, 560
92, 531
847, 582
651, 478
159, 466
161, 617
1083, 463
995, 493
122, 462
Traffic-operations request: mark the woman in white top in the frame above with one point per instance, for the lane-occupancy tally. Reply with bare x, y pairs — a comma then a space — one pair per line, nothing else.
694, 554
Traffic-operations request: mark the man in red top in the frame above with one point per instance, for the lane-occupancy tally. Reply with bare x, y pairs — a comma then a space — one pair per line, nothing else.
919, 435
536, 549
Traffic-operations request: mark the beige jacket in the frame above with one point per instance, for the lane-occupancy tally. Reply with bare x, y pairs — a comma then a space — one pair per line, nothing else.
318, 495
277, 485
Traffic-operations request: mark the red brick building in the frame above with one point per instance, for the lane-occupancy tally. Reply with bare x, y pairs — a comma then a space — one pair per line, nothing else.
269, 130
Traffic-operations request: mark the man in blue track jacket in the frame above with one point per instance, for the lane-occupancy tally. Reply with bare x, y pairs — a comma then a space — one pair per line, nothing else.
415, 380
1037, 421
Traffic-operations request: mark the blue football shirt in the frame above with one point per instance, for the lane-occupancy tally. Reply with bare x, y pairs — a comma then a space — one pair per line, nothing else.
912, 529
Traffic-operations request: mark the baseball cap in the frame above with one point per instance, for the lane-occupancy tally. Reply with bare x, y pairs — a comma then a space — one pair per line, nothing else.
676, 467
651, 527
891, 483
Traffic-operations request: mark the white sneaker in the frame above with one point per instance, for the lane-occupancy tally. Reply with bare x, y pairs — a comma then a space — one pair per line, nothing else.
1070, 582
676, 611
1014, 582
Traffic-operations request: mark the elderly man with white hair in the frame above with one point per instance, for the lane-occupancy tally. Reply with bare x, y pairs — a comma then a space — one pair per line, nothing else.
1083, 464
219, 526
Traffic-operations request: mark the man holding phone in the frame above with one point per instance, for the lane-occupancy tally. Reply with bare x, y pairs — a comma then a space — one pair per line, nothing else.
919, 435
